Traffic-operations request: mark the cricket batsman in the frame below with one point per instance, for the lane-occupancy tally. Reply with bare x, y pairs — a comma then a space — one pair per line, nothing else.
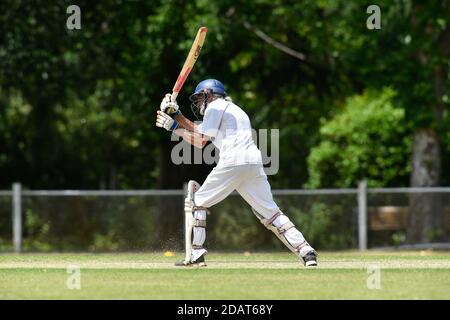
239, 168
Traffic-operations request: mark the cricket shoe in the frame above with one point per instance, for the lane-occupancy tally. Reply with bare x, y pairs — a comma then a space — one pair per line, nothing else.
200, 262
310, 259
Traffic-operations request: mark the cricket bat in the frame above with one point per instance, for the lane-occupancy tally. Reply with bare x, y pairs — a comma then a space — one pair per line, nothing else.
190, 61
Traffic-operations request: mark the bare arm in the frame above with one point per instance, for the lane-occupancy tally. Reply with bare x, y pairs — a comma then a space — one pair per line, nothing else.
186, 123
195, 138
190, 132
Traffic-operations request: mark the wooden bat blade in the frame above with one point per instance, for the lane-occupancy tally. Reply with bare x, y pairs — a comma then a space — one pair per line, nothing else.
190, 60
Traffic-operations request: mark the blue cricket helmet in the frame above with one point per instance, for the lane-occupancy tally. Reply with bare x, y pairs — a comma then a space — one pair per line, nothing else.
216, 86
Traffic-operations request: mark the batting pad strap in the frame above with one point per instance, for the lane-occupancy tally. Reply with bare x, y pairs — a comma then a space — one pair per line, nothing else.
200, 223
301, 245
198, 208
285, 227
196, 247
268, 222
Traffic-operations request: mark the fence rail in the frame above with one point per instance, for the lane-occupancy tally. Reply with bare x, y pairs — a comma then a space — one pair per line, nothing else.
361, 193
103, 193
410, 190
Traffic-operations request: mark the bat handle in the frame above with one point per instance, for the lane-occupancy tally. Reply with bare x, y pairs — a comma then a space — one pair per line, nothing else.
174, 96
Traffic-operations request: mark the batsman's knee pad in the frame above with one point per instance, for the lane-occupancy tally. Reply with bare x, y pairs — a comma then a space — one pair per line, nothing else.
192, 188
286, 231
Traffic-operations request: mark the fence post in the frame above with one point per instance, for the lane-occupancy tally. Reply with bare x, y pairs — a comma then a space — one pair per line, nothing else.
362, 215
17, 217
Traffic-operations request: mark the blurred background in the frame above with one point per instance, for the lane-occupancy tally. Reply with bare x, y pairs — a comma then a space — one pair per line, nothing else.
77, 111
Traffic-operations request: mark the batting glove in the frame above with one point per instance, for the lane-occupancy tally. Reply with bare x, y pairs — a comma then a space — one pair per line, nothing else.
163, 120
168, 106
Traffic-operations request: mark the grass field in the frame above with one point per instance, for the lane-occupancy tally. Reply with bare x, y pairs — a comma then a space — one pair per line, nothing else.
342, 275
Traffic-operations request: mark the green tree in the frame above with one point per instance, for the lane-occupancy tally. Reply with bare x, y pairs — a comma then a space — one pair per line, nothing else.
368, 140
415, 38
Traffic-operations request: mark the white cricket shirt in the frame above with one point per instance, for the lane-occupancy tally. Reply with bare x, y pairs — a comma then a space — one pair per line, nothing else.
231, 132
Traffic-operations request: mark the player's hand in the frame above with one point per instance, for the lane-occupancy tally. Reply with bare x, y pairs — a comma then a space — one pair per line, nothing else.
165, 121
168, 106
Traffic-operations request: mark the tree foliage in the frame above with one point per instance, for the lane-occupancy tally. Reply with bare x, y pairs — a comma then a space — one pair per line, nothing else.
77, 107
368, 140
88, 96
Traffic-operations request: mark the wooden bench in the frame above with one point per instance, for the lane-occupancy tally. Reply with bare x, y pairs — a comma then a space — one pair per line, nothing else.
392, 218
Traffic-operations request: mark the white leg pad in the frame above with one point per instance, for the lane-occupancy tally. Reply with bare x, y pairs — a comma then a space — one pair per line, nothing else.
199, 235
188, 225
195, 225
285, 230
189, 219
293, 235
199, 232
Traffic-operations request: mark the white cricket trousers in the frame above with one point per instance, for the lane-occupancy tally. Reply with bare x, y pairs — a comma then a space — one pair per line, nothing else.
249, 180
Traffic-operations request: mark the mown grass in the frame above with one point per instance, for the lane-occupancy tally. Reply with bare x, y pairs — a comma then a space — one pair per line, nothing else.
279, 276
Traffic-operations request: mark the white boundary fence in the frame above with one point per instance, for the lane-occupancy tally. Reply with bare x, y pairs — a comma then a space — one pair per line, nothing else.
361, 192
